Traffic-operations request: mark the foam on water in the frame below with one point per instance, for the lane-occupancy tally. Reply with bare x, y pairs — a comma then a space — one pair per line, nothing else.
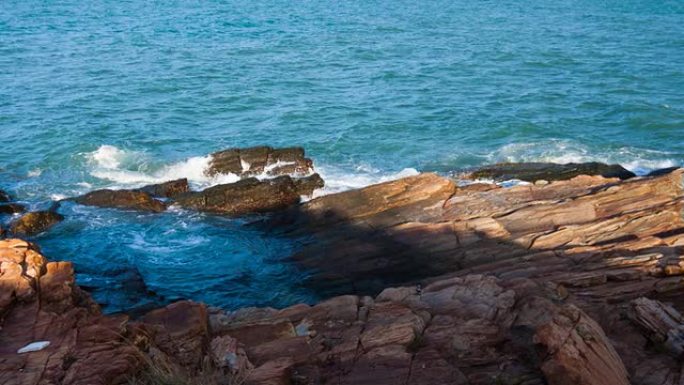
338, 180
639, 161
129, 169
126, 169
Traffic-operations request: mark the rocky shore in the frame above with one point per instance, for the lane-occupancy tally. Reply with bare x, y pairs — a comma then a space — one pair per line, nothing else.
429, 280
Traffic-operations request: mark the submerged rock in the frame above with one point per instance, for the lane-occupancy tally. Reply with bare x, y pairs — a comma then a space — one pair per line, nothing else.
122, 199
12, 208
4, 197
262, 159
247, 196
35, 223
531, 172
169, 189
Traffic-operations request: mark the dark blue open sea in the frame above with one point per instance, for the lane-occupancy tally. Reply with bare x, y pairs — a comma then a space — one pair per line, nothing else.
123, 93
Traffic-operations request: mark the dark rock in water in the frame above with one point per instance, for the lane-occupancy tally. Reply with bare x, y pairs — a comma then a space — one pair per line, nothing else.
4, 197
307, 185
256, 160
11, 208
35, 222
244, 197
662, 171
169, 189
122, 199
532, 172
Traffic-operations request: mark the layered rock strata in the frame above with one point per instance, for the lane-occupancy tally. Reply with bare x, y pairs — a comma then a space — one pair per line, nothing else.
572, 282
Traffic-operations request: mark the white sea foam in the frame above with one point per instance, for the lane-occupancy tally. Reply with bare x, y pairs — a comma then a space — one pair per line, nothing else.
108, 157
639, 161
127, 169
338, 179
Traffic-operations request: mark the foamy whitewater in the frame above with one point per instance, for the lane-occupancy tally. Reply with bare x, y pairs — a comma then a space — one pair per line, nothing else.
124, 169
124, 94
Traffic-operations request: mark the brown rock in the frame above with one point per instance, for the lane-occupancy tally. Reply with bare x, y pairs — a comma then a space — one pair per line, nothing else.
247, 196
532, 172
181, 330
122, 199
12, 208
169, 189
578, 351
227, 353
256, 160
307, 185
35, 222
40, 302
662, 323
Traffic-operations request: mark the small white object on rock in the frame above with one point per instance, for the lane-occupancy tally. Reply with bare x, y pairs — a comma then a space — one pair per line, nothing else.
34, 347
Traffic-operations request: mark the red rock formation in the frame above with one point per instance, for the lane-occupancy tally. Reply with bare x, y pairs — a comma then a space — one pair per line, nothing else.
574, 282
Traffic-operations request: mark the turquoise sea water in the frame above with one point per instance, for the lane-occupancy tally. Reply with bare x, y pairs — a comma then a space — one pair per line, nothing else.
116, 94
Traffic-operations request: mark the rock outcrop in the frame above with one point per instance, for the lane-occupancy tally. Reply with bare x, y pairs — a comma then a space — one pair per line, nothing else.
467, 330
415, 228
170, 189
307, 185
572, 282
35, 222
122, 199
257, 160
532, 172
293, 178
40, 302
244, 197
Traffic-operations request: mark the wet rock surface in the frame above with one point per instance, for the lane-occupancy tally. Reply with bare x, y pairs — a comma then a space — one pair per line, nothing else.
247, 196
35, 223
170, 189
531, 172
261, 159
122, 199
307, 185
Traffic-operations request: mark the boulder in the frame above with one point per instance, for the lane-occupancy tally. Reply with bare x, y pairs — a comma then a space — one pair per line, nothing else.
12, 208
532, 172
261, 159
4, 197
35, 222
247, 196
307, 185
122, 199
662, 171
169, 189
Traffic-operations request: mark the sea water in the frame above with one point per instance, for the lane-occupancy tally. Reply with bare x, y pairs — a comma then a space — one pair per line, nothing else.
120, 94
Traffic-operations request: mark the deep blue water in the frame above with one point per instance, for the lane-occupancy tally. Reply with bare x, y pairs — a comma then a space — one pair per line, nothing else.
112, 93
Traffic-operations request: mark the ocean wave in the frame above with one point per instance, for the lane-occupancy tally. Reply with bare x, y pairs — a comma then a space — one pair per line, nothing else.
638, 160
131, 169
338, 179
126, 169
